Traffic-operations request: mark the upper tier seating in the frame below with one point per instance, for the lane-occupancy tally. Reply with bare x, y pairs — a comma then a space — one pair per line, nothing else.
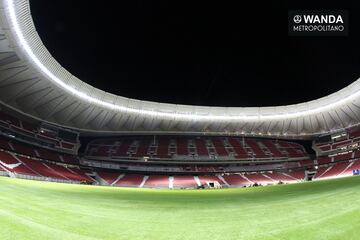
202, 148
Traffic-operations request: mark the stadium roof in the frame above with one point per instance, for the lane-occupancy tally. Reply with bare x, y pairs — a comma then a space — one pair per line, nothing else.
32, 81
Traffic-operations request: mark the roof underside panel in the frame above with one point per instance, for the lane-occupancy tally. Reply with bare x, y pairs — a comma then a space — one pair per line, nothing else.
34, 83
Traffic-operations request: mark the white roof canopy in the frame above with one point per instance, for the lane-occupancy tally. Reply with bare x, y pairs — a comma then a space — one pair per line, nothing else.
32, 81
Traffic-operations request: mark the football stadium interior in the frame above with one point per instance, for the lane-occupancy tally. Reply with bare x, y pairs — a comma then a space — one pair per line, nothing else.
77, 162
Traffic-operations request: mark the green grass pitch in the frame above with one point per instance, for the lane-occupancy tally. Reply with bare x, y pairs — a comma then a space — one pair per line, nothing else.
316, 210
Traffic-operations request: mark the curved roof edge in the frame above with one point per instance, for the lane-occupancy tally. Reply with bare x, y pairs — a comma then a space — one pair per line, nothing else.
90, 109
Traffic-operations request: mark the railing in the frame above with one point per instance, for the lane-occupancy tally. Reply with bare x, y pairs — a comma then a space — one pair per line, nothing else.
33, 140
40, 178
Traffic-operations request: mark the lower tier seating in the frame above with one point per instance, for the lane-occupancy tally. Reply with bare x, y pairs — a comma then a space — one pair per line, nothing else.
338, 169
157, 181
225, 180
16, 164
130, 180
13, 164
184, 182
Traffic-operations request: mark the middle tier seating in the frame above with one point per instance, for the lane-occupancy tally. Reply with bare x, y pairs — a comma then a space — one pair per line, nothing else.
28, 150
32, 133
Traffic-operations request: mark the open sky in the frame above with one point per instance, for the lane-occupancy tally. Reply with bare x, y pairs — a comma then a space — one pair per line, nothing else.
199, 52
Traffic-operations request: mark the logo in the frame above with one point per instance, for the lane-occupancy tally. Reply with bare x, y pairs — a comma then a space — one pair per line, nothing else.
323, 19
297, 18
318, 23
